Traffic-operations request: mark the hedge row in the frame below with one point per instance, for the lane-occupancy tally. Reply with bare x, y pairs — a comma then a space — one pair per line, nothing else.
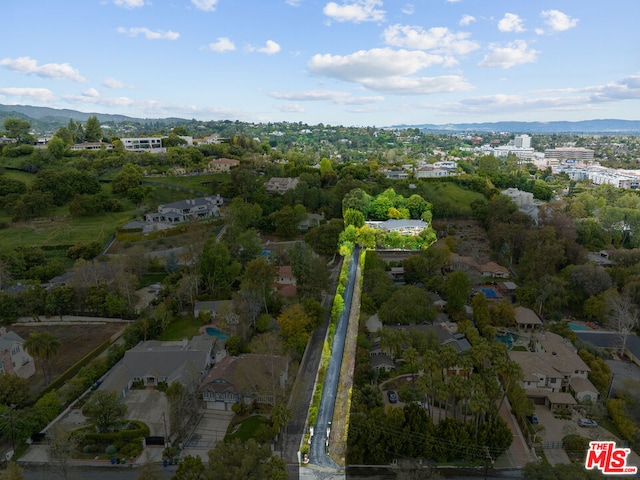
123, 436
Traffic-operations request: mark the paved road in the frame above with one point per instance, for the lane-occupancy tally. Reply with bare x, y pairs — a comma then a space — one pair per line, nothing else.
302, 391
318, 455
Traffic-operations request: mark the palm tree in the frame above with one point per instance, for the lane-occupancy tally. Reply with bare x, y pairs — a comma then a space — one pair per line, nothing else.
44, 346
280, 417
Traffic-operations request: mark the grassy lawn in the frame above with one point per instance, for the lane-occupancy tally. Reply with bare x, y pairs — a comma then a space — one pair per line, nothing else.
151, 278
183, 327
247, 428
458, 196
197, 182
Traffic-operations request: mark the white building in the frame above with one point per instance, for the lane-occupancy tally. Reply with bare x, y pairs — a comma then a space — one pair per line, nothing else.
14, 359
147, 144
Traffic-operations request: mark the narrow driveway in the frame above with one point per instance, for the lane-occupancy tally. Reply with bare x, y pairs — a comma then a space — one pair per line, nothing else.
318, 455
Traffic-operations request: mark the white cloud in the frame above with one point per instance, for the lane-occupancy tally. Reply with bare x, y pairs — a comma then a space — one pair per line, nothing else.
387, 70
515, 53
558, 21
149, 34
110, 82
510, 23
357, 11
206, 5
290, 108
336, 97
270, 48
438, 39
419, 85
408, 9
292, 3
56, 71
129, 3
223, 44
467, 20
37, 94
375, 63
91, 93
453, 1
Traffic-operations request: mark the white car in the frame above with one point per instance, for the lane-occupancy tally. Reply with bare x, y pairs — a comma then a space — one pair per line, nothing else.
587, 423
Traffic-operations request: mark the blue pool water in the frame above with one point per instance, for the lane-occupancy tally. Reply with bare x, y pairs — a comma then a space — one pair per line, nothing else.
489, 292
506, 339
214, 332
578, 327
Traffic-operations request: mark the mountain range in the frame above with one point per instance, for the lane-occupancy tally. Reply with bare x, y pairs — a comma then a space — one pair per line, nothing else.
45, 117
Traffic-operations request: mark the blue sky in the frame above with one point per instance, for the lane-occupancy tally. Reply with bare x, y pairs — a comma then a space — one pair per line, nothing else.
342, 62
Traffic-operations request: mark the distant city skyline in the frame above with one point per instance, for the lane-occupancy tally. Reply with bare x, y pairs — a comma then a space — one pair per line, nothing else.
347, 62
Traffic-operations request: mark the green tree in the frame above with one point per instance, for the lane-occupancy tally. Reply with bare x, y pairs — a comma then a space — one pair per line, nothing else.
295, 325
456, 287
238, 460
45, 346
104, 411
57, 147
92, 130
280, 417
17, 128
12, 472
14, 390
128, 179
191, 468
259, 277
217, 268
407, 306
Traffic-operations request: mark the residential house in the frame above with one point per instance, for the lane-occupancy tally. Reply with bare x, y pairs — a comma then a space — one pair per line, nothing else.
153, 362
91, 146
554, 373
285, 283
312, 220
405, 227
279, 185
145, 144
186, 210
462, 263
249, 378
396, 174
219, 165
14, 359
527, 320
219, 309
493, 270
430, 172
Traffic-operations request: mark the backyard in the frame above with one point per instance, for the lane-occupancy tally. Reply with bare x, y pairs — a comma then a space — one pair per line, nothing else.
76, 342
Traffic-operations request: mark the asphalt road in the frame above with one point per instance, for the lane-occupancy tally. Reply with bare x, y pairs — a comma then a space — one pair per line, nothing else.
318, 454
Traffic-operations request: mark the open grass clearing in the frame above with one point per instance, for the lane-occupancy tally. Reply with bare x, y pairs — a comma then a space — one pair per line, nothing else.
246, 428
183, 327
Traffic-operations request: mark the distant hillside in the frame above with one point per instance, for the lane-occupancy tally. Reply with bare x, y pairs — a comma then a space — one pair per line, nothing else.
45, 119
605, 126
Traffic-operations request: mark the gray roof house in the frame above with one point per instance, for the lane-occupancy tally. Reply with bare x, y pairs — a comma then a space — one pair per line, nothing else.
185, 210
14, 359
247, 378
152, 362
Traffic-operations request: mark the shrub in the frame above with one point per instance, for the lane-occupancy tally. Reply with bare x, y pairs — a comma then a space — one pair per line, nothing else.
110, 450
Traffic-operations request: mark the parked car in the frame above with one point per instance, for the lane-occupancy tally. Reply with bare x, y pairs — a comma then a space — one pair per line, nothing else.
392, 396
533, 419
587, 423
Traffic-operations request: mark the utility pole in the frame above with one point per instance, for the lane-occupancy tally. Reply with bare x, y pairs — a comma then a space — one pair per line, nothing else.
487, 458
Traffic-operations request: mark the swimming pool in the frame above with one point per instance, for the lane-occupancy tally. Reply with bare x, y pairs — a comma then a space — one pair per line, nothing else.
489, 292
214, 332
507, 339
576, 327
